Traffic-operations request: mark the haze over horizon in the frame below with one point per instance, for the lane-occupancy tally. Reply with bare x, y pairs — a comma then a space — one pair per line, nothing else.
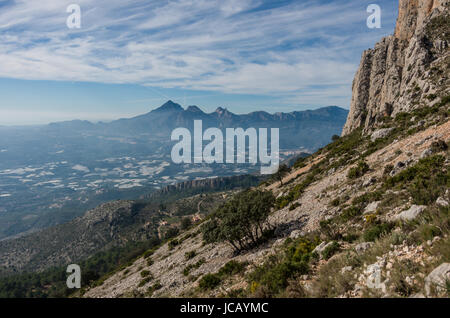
129, 58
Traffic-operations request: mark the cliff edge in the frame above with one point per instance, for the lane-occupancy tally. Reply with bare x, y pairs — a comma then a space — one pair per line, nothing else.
403, 71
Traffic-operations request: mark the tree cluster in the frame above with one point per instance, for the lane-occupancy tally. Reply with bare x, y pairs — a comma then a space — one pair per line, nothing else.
242, 221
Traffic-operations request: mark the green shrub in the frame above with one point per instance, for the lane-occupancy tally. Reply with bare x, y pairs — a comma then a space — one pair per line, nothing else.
328, 228
148, 253
145, 273
350, 212
190, 267
424, 181
345, 145
428, 232
376, 231
189, 255
336, 202
232, 268
209, 281
274, 274
444, 101
173, 243
171, 232
186, 223
145, 281
296, 191
358, 171
350, 237
330, 250
301, 162
366, 198
439, 145
431, 97
387, 169
156, 286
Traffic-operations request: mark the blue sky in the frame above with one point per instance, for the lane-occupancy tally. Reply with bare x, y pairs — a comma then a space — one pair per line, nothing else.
129, 57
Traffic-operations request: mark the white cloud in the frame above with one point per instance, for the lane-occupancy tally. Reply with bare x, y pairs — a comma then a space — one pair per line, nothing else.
219, 45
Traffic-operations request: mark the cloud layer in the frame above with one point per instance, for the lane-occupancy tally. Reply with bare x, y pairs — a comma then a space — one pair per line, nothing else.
305, 51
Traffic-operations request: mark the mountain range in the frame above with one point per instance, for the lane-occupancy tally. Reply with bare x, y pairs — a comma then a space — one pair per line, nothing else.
65, 168
310, 129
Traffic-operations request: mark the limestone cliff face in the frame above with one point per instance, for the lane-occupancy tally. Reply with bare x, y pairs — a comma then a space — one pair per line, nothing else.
412, 16
403, 71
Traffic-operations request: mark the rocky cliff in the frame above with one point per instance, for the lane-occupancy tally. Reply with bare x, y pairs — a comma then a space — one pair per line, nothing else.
400, 73
210, 184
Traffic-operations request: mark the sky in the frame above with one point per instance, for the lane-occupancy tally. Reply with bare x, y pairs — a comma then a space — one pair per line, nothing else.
129, 57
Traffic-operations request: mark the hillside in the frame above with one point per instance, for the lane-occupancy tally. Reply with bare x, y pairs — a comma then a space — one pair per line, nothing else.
366, 216
117, 223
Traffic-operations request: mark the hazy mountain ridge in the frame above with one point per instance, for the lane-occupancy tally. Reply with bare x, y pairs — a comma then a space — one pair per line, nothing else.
160, 122
62, 165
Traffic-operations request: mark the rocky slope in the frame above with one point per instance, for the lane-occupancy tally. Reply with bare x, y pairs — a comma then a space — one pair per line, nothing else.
168, 265
368, 215
404, 71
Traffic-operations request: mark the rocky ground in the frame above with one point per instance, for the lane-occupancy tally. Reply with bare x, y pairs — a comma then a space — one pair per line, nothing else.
168, 264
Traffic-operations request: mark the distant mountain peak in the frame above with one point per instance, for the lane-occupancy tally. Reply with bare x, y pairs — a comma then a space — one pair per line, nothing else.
222, 111
194, 109
169, 106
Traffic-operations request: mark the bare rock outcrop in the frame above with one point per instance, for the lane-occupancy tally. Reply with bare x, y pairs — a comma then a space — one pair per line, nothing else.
437, 279
412, 16
398, 74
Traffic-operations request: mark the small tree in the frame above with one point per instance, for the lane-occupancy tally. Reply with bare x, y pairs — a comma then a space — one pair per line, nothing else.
241, 221
335, 137
359, 170
283, 170
186, 223
171, 232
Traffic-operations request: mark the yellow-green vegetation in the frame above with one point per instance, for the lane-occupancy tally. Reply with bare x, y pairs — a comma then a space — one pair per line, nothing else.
189, 255
296, 192
210, 281
374, 232
173, 243
145, 280
271, 278
147, 277
358, 171
145, 273
330, 250
156, 286
424, 181
188, 268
